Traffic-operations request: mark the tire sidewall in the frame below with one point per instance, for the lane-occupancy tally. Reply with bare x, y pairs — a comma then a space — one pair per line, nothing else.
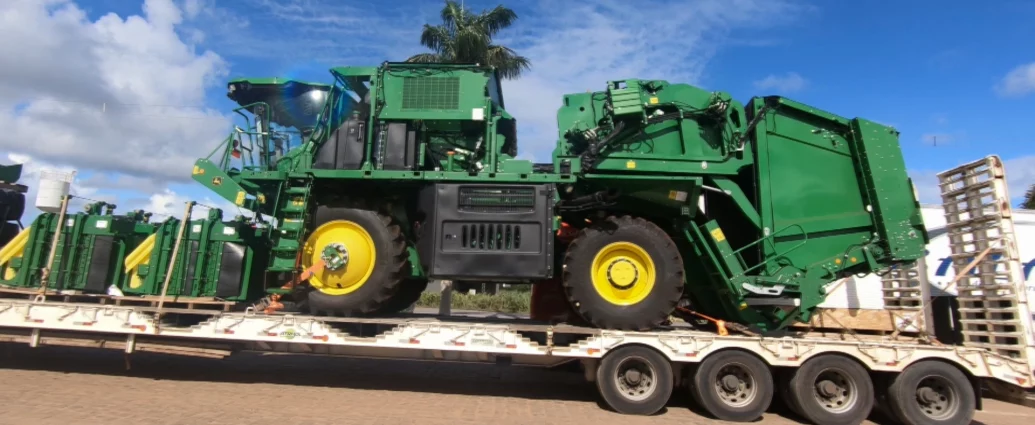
666, 275
707, 372
903, 388
609, 389
379, 285
803, 383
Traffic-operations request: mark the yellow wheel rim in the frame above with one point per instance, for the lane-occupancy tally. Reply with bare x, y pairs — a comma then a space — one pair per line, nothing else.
623, 273
361, 257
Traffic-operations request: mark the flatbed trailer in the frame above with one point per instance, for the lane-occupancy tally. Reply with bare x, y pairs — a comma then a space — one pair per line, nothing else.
732, 375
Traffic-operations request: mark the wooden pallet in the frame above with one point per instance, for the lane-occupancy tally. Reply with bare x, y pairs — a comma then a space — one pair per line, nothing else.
994, 312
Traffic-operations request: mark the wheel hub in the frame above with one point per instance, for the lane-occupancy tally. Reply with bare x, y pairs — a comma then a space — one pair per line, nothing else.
622, 273
348, 254
334, 256
632, 376
735, 385
937, 398
827, 389
730, 383
635, 378
835, 391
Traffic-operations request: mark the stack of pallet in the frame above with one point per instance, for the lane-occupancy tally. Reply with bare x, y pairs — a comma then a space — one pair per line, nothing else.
993, 306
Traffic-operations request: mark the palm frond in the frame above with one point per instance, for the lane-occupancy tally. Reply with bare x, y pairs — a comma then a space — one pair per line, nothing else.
425, 58
435, 38
507, 62
496, 19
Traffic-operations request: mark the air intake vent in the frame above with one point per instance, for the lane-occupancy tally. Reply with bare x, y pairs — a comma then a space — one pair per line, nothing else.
497, 200
491, 237
431, 93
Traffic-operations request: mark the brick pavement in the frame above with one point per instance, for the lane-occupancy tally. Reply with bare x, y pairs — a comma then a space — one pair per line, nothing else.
87, 386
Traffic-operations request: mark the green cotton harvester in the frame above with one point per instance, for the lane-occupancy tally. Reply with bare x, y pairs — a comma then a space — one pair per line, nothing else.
657, 194
91, 247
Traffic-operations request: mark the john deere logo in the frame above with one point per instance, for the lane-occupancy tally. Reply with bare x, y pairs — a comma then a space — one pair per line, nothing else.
217, 181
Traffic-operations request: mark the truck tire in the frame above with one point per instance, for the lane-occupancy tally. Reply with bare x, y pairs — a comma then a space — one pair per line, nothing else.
831, 389
931, 392
376, 258
624, 273
635, 380
733, 385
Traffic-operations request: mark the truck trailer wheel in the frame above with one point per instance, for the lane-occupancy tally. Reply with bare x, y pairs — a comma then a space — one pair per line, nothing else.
931, 393
733, 386
635, 380
831, 390
364, 256
625, 273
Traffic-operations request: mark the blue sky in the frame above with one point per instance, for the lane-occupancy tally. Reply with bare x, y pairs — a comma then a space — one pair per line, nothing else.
964, 76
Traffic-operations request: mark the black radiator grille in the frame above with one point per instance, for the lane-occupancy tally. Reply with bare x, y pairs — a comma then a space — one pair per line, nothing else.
491, 237
497, 200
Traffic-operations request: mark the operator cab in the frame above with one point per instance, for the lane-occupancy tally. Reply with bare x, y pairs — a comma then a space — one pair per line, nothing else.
275, 115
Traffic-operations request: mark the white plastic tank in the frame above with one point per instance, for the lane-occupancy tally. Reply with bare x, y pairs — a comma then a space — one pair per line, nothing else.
53, 186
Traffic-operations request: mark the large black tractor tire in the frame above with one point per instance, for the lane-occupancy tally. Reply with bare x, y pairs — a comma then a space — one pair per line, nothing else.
12, 205
8, 231
624, 273
389, 263
405, 297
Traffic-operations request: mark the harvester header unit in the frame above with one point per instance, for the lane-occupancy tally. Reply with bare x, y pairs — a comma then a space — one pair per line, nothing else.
657, 194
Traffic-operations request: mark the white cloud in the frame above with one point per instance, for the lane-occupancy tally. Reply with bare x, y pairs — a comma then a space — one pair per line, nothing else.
787, 83
1020, 81
114, 94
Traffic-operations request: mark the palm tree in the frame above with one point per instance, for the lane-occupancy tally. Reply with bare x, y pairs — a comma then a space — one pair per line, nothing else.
1029, 199
466, 37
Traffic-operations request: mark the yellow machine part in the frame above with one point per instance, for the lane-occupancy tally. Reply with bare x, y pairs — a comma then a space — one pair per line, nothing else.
13, 249
140, 256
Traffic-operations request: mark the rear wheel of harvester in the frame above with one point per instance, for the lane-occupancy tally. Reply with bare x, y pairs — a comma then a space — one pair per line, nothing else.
405, 297
931, 393
625, 273
733, 386
831, 389
635, 380
364, 256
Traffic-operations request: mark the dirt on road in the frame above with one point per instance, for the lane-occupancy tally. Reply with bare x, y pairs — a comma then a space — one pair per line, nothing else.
52, 385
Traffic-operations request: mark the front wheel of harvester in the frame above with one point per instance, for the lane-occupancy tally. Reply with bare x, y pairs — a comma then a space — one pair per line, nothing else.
364, 255
624, 273
635, 380
733, 386
931, 393
831, 390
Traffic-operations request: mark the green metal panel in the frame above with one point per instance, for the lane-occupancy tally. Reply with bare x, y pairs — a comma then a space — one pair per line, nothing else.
90, 249
891, 197
201, 261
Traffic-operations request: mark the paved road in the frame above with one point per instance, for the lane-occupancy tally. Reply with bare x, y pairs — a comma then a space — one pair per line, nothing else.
88, 386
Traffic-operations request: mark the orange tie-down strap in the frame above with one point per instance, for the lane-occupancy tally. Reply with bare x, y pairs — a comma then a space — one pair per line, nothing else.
275, 304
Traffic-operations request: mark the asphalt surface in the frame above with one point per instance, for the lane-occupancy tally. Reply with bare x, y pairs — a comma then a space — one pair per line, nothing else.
57, 385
